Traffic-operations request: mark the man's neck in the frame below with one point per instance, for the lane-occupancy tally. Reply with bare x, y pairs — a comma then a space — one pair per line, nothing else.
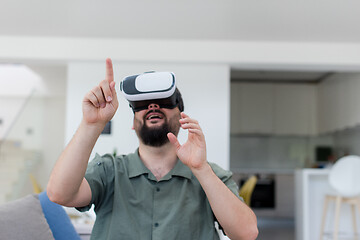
159, 160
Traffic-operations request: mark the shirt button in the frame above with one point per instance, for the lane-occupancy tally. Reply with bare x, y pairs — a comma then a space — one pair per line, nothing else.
156, 224
158, 189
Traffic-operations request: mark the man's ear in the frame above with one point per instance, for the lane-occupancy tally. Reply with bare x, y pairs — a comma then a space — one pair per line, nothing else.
133, 125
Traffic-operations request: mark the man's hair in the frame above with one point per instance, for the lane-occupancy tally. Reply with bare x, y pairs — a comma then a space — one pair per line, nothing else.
179, 100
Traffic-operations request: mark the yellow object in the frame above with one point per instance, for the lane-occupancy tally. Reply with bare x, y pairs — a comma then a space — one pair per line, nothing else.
247, 189
36, 186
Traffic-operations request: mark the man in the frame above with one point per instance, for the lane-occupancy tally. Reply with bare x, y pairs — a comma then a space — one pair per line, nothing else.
164, 190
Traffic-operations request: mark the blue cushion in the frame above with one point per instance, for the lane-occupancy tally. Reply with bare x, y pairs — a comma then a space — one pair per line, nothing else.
57, 219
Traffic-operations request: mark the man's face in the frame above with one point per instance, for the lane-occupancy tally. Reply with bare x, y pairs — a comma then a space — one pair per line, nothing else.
153, 124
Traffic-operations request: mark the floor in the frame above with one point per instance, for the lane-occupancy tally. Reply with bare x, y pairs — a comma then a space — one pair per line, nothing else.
276, 229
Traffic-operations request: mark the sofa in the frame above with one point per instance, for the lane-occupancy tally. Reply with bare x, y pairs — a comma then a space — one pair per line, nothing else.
35, 217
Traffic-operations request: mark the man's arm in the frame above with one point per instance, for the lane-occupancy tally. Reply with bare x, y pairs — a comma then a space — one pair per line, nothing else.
237, 219
67, 185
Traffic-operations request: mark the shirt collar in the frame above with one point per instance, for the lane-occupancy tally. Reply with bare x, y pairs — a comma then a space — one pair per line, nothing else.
137, 168
180, 170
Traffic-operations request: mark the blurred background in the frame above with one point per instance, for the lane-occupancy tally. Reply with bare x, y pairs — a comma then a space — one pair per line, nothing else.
274, 85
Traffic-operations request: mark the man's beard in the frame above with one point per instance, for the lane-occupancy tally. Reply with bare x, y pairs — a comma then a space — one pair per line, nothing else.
157, 136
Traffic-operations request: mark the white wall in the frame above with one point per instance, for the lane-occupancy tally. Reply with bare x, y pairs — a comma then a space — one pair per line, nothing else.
205, 89
239, 54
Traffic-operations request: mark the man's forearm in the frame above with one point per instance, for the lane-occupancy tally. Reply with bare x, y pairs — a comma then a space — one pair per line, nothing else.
70, 168
237, 219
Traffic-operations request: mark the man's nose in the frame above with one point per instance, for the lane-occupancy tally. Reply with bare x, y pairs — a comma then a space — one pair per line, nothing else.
153, 106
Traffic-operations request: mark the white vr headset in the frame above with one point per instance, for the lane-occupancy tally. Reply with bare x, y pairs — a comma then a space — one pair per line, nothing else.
151, 87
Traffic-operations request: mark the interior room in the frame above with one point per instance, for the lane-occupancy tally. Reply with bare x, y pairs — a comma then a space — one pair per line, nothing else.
274, 86
293, 122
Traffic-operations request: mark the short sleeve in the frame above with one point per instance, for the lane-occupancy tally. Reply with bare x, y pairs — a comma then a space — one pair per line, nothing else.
99, 175
226, 178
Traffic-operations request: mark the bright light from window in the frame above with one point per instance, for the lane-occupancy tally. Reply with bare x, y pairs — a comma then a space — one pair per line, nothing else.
19, 80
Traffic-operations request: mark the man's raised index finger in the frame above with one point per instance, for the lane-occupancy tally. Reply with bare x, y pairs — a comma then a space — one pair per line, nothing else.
109, 70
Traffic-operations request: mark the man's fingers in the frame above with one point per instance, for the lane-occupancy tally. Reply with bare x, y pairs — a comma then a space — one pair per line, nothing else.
186, 118
112, 88
189, 120
108, 85
104, 93
106, 90
183, 115
109, 70
190, 126
99, 95
196, 131
189, 123
113, 91
173, 140
92, 98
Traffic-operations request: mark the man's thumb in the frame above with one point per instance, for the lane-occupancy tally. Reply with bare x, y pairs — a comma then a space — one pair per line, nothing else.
173, 140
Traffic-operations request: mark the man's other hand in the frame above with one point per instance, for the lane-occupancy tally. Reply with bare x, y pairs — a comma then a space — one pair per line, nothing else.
193, 152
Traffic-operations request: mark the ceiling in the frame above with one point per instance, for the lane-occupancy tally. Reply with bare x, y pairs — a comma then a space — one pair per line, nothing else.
261, 20
233, 20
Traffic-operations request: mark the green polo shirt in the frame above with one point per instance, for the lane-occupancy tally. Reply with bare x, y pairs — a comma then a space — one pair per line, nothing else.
131, 204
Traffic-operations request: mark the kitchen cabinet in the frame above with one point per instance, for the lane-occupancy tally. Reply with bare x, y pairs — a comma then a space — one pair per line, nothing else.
252, 108
295, 109
339, 100
333, 98
272, 108
354, 98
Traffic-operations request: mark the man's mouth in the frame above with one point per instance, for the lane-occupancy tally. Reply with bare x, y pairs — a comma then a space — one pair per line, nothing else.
154, 116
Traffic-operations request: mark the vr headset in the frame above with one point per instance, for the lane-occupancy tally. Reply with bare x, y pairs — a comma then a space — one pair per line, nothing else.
151, 87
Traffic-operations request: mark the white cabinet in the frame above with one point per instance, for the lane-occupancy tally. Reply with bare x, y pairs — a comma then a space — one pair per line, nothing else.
339, 100
283, 109
354, 100
295, 109
252, 108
